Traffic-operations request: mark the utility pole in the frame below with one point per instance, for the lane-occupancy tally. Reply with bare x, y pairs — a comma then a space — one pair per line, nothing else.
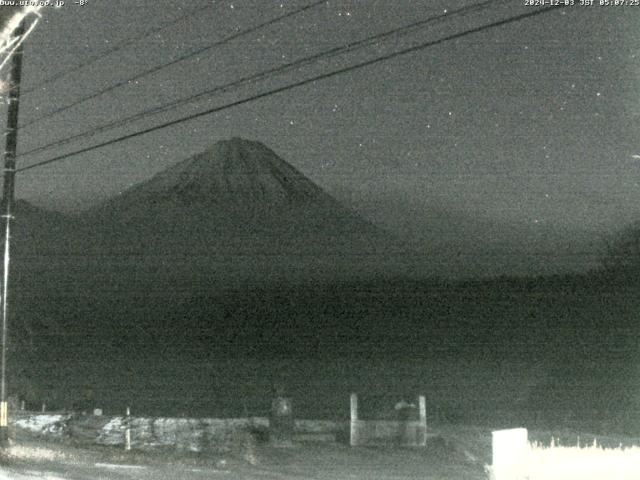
11, 133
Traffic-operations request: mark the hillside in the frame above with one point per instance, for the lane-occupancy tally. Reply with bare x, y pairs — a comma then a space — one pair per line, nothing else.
237, 197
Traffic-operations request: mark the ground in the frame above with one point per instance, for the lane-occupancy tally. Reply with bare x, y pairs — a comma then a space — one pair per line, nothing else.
453, 453
440, 460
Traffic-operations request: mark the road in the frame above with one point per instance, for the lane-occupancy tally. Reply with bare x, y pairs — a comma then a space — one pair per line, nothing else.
107, 471
53, 461
37, 459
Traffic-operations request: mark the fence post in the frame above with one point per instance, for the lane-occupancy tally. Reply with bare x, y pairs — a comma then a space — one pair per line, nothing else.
510, 449
422, 405
127, 432
353, 438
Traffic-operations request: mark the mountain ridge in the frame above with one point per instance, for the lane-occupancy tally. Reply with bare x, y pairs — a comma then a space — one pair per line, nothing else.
228, 174
237, 197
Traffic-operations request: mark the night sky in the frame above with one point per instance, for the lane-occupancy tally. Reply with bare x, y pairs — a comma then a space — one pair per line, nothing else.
517, 144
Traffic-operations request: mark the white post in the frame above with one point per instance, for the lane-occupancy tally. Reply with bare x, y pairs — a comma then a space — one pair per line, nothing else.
422, 403
127, 432
422, 406
510, 454
44, 408
354, 420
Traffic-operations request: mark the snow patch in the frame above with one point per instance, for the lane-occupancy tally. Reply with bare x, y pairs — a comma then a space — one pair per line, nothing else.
29, 475
33, 453
186, 434
43, 424
115, 466
111, 433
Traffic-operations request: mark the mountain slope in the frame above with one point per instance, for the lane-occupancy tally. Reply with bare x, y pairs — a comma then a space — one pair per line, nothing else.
37, 231
238, 197
159, 263
236, 175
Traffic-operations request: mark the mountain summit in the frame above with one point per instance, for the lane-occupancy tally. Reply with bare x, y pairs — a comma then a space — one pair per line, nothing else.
234, 175
238, 196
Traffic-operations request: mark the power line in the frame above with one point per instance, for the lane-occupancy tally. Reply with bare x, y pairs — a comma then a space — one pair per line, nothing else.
117, 48
350, 47
300, 83
179, 59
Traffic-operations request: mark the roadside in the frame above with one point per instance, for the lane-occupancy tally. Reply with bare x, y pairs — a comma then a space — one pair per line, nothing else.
456, 453
31, 458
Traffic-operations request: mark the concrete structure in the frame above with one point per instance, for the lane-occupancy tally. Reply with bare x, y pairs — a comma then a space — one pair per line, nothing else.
281, 422
510, 452
402, 431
